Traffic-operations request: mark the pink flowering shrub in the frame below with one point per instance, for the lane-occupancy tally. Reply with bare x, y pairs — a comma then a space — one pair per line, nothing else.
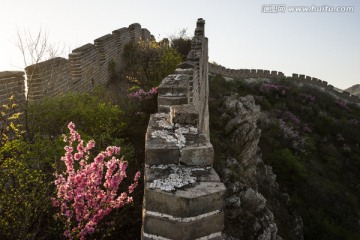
89, 190
292, 117
307, 98
342, 104
141, 94
269, 87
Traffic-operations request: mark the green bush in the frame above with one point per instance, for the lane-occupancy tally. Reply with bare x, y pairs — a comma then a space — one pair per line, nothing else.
95, 117
24, 189
148, 62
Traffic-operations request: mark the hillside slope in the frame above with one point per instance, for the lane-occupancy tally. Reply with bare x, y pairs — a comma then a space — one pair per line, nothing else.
307, 138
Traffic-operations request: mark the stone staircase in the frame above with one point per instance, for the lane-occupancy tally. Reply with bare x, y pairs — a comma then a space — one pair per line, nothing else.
183, 196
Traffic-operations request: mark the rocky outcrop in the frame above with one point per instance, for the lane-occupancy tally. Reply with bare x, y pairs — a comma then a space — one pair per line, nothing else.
255, 208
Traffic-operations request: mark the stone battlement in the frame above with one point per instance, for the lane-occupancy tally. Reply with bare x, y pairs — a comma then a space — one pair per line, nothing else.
87, 66
183, 194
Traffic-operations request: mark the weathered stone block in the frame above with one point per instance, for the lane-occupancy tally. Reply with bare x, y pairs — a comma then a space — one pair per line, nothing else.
184, 114
155, 155
200, 199
172, 100
152, 173
183, 230
197, 154
160, 143
163, 108
188, 71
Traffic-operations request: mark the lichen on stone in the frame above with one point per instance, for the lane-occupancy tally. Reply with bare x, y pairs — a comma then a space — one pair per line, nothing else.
164, 134
180, 177
164, 124
172, 133
169, 94
185, 129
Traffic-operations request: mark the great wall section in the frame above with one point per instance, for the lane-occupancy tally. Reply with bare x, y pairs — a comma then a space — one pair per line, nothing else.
183, 195
178, 154
87, 67
266, 74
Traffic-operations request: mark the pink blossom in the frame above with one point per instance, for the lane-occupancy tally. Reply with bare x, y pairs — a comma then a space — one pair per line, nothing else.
141, 94
87, 192
342, 104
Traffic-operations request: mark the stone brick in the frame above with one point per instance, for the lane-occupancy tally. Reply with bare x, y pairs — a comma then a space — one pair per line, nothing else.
200, 199
183, 230
171, 100
184, 114
161, 154
11, 74
198, 153
164, 108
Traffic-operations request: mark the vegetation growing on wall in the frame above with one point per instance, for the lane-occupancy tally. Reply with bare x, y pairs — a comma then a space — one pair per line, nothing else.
148, 62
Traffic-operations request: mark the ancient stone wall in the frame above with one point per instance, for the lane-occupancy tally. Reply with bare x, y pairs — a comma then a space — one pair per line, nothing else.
87, 66
244, 73
183, 194
323, 85
259, 73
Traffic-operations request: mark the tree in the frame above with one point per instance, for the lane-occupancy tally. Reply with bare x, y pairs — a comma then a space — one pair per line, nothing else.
35, 48
181, 42
147, 62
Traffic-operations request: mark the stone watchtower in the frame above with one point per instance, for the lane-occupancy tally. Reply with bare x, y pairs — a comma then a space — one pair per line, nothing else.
183, 194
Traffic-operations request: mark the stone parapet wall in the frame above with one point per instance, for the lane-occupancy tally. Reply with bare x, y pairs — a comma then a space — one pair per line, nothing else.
183, 194
244, 73
323, 85
87, 66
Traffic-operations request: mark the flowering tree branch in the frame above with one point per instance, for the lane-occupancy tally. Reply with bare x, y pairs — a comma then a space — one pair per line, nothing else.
88, 191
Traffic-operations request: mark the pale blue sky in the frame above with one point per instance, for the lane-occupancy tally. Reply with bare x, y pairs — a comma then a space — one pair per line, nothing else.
322, 45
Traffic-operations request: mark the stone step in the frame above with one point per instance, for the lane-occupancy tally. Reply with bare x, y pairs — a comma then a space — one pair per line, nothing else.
202, 174
168, 143
174, 85
163, 227
188, 71
182, 202
184, 114
202, 198
169, 100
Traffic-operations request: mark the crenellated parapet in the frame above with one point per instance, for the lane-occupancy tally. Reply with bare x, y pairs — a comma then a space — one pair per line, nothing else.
183, 194
259, 73
87, 66
244, 73
324, 86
